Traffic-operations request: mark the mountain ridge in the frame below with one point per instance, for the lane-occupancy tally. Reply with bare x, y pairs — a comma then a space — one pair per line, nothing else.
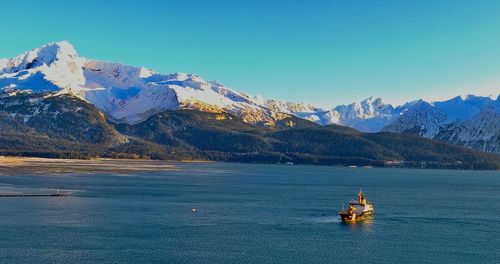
65, 126
129, 94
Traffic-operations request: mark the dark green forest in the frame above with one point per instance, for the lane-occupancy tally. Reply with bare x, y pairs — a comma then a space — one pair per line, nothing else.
67, 127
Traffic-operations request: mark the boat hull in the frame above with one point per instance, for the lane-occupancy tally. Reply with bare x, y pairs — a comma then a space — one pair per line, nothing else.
347, 218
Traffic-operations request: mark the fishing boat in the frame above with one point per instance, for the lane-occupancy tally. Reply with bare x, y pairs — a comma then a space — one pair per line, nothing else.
359, 209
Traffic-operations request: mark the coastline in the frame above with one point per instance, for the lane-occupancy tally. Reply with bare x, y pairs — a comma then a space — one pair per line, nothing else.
34, 165
38, 165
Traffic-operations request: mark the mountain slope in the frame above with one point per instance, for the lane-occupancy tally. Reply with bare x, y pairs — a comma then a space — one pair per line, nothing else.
130, 95
228, 137
66, 126
470, 121
63, 117
479, 132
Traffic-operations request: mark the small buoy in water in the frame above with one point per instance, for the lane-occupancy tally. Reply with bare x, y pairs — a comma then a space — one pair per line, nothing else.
193, 210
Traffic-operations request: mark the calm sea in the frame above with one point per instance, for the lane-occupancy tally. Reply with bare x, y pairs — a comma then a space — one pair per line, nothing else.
253, 214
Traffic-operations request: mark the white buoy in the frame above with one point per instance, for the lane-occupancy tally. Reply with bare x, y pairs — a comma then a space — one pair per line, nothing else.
193, 210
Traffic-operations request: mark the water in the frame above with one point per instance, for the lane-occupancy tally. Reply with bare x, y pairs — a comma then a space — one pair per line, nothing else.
253, 214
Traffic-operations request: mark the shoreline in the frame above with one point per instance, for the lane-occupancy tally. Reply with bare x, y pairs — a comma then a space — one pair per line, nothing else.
39, 165
35, 165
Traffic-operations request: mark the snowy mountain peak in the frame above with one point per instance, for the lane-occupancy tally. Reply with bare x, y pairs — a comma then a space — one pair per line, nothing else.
53, 67
45, 55
467, 97
463, 97
372, 100
369, 115
60, 49
367, 108
145, 72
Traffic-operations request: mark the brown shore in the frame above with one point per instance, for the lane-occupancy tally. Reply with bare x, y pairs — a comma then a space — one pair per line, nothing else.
29, 165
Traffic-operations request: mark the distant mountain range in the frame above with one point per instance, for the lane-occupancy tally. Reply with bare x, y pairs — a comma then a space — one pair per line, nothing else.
126, 98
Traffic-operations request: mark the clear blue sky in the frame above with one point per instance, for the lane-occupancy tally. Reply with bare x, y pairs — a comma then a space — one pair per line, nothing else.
323, 52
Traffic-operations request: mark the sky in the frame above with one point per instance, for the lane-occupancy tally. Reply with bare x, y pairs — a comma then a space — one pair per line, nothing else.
320, 52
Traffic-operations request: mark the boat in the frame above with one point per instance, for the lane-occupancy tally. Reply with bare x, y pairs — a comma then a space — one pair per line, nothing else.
358, 210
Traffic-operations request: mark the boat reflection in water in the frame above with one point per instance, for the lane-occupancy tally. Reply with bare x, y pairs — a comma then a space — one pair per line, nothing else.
365, 226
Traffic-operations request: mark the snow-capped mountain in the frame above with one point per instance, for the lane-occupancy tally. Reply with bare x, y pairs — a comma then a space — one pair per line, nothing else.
369, 115
132, 94
422, 119
308, 112
480, 132
472, 121
128, 94
53, 67
125, 93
